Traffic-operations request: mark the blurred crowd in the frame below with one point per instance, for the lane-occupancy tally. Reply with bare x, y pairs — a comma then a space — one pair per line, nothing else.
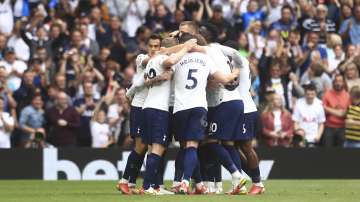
65, 66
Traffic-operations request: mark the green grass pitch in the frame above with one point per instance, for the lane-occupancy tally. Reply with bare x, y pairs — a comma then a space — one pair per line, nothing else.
96, 191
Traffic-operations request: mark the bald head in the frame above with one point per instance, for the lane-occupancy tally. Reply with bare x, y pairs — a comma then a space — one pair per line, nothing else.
62, 100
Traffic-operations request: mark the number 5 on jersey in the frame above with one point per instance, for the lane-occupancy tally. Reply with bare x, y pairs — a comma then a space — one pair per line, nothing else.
192, 79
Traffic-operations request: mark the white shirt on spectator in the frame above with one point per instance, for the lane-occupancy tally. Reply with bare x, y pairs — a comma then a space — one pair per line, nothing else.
134, 16
6, 17
309, 117
113, 113
256, 47
22, 50
14, 81
100, 134
5, 136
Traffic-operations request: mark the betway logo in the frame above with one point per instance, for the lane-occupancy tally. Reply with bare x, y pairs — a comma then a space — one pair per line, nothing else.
52, 165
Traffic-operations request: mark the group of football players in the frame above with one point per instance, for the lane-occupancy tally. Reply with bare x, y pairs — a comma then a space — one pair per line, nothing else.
194, 90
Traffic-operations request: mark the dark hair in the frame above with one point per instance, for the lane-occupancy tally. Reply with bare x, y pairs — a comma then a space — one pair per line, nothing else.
286, 6
186, 36
232, 44
209, 32
155, 37
141, 30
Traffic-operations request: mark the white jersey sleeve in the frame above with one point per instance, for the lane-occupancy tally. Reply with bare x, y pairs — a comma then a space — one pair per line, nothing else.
140, 90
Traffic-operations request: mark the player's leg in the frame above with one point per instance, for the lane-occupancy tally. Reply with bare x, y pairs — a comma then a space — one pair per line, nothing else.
250, 153
153, 161
137, 155
194, 132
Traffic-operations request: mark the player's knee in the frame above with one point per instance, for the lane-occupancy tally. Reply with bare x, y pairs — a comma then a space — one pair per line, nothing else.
228, 143
140, 147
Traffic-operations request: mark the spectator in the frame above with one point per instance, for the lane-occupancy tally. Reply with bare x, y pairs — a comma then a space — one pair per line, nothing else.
85, 106
352, 121
350, 28
335, 102
15, 68
100, 129
352, 76
6, 17
253, 14
63, 122
317, 75
321, 24
32, 121
22, 50
256, 41
7, 124
277, 125
273, 10
26, 92
118, 115
309, 117
287, 21
222, 25
335, 53
312, 46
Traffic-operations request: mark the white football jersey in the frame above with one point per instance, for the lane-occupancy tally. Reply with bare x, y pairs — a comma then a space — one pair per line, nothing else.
158, 95
223, 64
244, 78
140, 96
191, 74
244, 87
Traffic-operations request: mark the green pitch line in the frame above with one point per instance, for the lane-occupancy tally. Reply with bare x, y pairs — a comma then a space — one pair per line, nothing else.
104, 191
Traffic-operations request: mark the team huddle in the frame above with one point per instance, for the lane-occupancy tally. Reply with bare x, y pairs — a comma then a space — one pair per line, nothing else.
196, 91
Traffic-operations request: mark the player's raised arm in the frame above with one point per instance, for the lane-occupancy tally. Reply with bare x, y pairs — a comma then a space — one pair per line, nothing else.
176, 57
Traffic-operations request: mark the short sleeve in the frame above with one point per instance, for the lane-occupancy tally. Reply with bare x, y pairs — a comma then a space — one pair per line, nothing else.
321, 116
139, 59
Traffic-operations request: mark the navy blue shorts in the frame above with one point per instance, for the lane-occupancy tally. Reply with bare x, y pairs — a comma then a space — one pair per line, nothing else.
190, 124
136, 121
156, 127
226, 120
250, 120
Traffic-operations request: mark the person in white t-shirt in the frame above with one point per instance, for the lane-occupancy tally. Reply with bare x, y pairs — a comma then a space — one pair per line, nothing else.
6, 126
309, 116
6, 17
100, 129
15, 68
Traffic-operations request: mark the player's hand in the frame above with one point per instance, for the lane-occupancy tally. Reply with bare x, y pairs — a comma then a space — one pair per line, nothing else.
62, 122
174, 33
191, 43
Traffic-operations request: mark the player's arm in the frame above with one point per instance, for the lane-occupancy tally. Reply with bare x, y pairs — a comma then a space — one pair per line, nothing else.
174, 49
142, 60
176, 57
226, 78
165, 76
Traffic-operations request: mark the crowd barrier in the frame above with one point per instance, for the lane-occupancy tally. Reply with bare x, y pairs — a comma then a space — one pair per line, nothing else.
108, 164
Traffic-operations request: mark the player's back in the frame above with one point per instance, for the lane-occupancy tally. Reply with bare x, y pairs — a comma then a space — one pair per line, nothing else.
190, 78
140, 96
244, 87
158, 95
